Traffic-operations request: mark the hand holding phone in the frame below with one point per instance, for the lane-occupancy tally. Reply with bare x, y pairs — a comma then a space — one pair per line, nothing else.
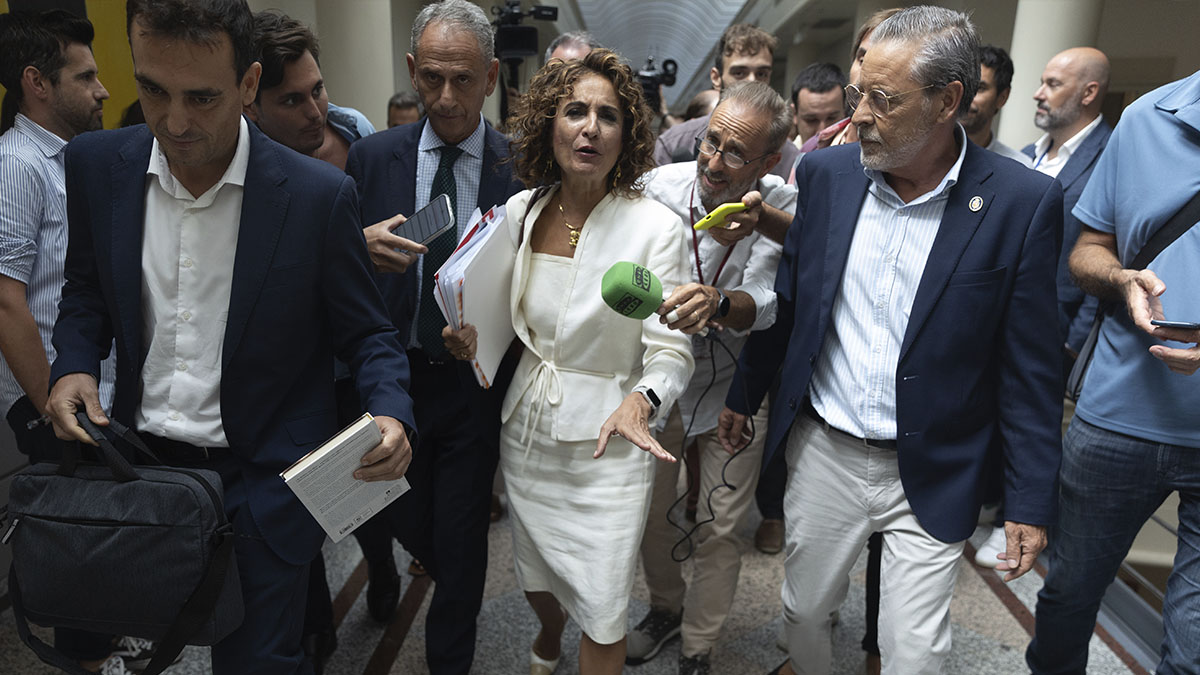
719, 215
429, 223
1184, 325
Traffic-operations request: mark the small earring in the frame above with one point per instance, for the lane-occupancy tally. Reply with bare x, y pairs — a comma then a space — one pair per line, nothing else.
618, 176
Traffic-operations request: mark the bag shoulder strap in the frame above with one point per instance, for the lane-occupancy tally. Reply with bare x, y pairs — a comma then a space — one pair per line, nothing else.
533, 199
1173, 229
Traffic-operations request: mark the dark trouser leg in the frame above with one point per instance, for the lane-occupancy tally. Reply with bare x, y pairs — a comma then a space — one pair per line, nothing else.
318, 609
870, 641
769, 493
274, 592
443, 520
1109, 486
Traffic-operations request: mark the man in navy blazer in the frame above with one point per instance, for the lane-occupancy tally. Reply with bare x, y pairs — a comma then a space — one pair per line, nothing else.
230, 271
915, 300
1068, 110
443, 520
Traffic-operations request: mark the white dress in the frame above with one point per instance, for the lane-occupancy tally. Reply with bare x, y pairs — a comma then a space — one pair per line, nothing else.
577, 521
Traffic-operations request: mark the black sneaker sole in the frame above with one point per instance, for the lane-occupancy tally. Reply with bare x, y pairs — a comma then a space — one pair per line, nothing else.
639, 660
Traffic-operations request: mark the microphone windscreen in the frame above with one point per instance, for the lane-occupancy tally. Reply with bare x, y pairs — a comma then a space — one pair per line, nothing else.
631, 290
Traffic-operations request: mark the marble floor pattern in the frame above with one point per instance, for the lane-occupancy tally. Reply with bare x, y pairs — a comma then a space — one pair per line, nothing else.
987, 637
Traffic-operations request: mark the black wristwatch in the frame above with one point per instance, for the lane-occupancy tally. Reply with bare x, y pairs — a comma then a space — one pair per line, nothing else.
651, 398
722, 305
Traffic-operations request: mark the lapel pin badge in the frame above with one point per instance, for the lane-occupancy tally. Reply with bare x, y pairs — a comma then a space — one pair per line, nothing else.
976, 203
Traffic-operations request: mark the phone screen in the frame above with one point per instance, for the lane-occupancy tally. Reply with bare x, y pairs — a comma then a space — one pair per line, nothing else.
429, 223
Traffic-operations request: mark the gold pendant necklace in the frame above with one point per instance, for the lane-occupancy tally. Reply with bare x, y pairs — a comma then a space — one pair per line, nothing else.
573, 238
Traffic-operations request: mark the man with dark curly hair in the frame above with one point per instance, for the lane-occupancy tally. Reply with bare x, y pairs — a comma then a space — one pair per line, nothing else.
443, 520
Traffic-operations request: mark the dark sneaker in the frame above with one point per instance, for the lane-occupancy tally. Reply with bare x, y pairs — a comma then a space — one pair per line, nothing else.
694, 665
657, 629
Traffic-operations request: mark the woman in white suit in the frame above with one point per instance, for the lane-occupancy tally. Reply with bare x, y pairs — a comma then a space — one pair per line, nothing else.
576, 448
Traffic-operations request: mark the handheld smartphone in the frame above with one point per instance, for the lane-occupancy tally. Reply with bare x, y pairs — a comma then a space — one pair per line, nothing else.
1186, 325
718, 215
429, 223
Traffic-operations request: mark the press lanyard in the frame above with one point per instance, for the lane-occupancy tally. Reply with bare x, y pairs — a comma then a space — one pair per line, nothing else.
696, 243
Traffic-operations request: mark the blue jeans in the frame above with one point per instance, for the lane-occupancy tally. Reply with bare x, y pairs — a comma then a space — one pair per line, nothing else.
1110, 485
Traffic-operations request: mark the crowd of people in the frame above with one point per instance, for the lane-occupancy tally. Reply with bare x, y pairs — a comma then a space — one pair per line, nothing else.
873, 347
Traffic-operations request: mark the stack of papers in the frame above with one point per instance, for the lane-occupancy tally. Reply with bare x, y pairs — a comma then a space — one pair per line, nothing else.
473, 288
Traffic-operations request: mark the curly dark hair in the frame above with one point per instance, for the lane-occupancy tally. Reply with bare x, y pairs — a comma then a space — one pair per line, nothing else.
532, 123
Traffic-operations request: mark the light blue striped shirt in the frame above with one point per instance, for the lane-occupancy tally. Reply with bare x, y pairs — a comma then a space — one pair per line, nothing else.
33, 236
854, 383
467, 171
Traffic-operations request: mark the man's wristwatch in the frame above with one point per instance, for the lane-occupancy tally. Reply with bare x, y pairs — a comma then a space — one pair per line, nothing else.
722, 304
650, 397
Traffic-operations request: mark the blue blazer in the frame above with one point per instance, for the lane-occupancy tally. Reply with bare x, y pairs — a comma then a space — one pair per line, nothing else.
1076, 309
302, 293
978, 383
384, 166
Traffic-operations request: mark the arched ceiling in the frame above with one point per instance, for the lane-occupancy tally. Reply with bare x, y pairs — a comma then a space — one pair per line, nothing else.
683, 30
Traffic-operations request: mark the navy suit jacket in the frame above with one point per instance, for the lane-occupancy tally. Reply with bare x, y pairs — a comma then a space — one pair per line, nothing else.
978, 383
384, 166
302, 293
1076, 309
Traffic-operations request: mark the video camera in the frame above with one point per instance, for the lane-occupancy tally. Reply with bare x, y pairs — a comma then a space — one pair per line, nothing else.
515, 41
651, 77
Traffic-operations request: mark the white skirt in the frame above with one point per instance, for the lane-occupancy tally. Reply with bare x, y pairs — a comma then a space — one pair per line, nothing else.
577, 522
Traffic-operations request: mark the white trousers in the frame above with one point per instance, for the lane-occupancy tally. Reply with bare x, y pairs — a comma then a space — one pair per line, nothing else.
839, 491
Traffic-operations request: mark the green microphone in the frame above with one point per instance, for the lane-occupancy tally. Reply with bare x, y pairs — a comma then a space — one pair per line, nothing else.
631, 290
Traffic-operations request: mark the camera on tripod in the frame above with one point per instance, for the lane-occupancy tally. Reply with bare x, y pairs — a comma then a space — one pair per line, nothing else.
515, 41
651, 77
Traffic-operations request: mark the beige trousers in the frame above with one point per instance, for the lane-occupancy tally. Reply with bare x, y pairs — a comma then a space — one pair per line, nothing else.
717, 557
838, 493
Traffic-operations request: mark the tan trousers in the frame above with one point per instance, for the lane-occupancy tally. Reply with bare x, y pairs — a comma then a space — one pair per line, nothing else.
838, 493
718, 550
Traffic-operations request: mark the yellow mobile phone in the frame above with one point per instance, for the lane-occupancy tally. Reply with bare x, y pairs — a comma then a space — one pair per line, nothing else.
719, 214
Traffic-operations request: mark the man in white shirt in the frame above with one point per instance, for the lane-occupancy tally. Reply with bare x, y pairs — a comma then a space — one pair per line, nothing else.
818, 100
995, 84
733, 288
1068, 109
230, 270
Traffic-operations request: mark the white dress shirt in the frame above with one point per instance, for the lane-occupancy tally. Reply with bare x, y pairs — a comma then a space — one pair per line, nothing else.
188, 246
1052, 166
854, 382
1005, 151
750, 268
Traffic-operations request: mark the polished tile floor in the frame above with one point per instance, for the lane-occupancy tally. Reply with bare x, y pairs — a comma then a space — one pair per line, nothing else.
988, 636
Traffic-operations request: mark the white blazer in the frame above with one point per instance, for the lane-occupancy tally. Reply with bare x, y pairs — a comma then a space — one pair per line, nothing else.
599, 356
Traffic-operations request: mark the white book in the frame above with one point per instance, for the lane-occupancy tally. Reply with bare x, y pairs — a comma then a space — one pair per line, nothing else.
324, 480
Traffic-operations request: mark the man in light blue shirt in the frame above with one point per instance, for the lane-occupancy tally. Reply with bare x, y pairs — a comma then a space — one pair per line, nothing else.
53, 94
1134, 439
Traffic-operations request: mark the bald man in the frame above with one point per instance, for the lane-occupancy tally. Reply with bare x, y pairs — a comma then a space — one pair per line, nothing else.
1068, 110
1074, 83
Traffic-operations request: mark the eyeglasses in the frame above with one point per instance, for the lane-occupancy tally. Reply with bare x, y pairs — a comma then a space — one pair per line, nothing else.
732, 159
878, 101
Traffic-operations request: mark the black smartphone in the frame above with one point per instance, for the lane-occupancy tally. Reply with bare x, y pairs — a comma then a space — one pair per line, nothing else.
1186, 325
429, 223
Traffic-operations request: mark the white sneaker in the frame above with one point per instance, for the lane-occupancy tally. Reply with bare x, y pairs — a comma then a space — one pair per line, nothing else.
996, 544
114, 665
